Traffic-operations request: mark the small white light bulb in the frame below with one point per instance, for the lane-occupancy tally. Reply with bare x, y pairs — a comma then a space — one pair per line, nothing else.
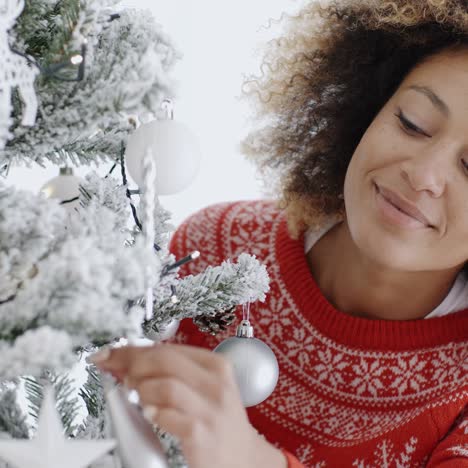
76, 59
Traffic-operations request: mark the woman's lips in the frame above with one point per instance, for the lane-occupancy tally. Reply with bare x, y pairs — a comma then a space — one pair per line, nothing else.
393, 214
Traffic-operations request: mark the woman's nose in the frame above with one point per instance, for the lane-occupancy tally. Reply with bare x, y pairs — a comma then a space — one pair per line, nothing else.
429, 171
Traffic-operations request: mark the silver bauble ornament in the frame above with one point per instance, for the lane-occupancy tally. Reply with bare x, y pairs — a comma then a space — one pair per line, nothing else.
166, 332
138, 445
175, 150
63, 187
255, 365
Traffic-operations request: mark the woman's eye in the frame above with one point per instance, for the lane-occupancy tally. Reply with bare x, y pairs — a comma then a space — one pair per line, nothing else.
465, 165
409, 125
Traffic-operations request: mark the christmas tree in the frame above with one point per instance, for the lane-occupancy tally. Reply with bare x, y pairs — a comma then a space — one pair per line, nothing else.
75, 274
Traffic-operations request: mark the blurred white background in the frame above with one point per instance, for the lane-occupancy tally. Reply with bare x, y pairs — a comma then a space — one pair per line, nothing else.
220, 42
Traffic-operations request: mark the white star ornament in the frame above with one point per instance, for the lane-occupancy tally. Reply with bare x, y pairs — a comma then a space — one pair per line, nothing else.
50, 448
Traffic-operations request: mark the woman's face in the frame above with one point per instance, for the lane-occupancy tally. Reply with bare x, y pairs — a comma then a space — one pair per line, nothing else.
425, 166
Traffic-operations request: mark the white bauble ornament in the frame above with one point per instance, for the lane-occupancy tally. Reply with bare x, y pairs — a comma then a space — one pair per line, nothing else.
255, 365
65, 186
138, 445
175, 150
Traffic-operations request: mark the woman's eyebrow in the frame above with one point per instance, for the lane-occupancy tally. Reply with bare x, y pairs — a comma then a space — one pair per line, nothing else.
435, 99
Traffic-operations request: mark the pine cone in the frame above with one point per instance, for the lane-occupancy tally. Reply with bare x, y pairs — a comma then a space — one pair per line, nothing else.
213, 324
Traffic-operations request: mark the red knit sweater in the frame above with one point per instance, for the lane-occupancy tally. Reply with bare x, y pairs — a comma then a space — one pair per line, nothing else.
352, 392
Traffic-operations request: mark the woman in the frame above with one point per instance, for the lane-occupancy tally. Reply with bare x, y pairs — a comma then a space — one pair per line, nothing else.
367, 130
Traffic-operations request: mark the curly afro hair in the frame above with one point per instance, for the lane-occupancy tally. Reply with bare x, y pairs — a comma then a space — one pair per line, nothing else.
322, 84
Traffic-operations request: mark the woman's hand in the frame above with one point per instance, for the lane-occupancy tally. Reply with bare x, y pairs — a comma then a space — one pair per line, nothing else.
191, 393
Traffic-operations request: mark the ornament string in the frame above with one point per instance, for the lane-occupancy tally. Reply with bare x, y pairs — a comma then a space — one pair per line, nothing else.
246, 311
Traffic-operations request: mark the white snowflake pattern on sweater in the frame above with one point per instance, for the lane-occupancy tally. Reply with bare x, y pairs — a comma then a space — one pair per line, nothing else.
385, 456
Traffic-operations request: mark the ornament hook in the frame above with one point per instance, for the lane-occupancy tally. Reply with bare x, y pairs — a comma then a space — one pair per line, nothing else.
245, 330
168, 106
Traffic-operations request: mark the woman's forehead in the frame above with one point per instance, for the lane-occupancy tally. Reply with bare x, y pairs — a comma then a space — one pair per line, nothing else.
442, 79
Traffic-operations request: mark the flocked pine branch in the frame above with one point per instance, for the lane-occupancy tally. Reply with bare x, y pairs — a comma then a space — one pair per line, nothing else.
67, 404
217, 288
35, 350
93, 396
12, 418
29, 229
47, 28
68, 282
107, 192
110, 193
128, 63
163, 228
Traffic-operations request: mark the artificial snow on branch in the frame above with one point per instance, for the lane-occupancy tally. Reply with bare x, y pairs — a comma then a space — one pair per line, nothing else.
128, 63
66, 402
75, 279
217, 288
36, 350
12, 418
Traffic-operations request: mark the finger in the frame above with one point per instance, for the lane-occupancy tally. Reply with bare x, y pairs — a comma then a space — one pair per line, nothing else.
174, 361
167, 360
173, 394
215, 364
120, 358
203, 357
192, 433
169, 363
116, 360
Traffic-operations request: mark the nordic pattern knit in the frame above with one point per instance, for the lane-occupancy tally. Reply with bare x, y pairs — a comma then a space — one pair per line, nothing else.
352, 392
